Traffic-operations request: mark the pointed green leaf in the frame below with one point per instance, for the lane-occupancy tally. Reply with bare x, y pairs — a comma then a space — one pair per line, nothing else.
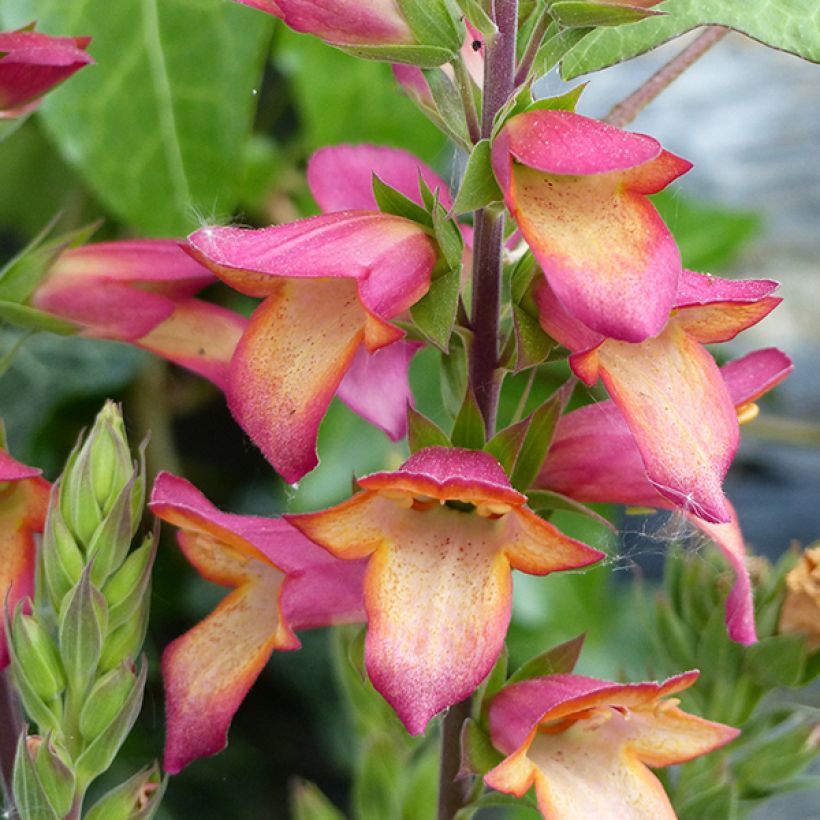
376, 793
478, 186
537, 441
391, 201
453, 373
787, 25
448, 104
475, 13
448, 236
560, 660
129, 586
434, 22
583, 14
172, 91
673, 637
568, 101
423, 432
435, 313
32, 319
422, 56
777, 661
506, 444
532, 345
554, 47
468, 428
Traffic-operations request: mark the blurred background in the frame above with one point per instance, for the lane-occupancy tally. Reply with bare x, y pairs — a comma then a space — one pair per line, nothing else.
744, 115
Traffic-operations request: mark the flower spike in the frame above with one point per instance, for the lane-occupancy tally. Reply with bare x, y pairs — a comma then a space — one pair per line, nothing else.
281, 583
577, 188
585, 744
442, 535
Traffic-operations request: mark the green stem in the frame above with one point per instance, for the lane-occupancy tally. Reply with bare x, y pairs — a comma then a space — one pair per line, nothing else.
11, 725
465, 88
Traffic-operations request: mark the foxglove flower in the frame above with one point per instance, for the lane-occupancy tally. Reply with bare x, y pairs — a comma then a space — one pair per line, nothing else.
140, 291
32, 63
441, 536
669, 388
594, 458
331, 284
586, 744
578, 191
23, 505
281, 583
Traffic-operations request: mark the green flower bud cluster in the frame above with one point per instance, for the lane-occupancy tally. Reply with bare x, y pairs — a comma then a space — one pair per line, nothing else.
738, 685
74, 656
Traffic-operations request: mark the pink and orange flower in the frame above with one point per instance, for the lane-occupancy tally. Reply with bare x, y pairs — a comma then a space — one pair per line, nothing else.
586, 744
281, 583
23, 504
441, 536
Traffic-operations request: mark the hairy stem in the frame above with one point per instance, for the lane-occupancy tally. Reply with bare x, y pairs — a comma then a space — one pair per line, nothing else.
626, 111
499, 71
11, 724
452, 793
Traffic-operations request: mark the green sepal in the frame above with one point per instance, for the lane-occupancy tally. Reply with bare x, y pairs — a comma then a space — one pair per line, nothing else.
29, 796
138, 798
547, 500
448, 237
560, 660
421, 56
36, 656
575, 14
78, 503
777, 661
568, 101
61, 557
435, 313
468, 427
106, 699
435, 22
124, 642
453, 373
33, 319
478, 186
22, 274
449, 105
391, 201
376, 792
82, 628
537, 440
478, 755
505, 445
307, 803
475, 13
423, 432
130, 584
532, 345
100, 753
56, 776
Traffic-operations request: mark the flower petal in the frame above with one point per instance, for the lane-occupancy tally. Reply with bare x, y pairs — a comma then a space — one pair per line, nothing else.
377, 386
340, 177
299, 343
390, 258
200, 337
675, 402
750, 376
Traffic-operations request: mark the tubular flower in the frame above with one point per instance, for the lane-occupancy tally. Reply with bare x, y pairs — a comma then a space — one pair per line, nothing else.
577, 189
669, 388
31, 64
281, 583
140, 291
331, 284
586, 744
441, 536
23, 504
594, 458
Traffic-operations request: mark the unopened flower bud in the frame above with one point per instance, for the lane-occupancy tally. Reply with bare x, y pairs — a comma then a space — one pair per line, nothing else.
137, 797
53, 767
36, 653
62, 557
801, 606
124, 642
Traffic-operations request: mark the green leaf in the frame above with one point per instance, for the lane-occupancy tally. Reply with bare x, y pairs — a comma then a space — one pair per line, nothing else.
435, 313
391, 201
583, 14
468, 428
422, 56
448, 104
376, 795
448, 237
787, 25
308, 803
532, 345
560, 660
478, 186
158, 127
777, 661
82, 629
555, 46
435, 22
56, 777
475, 13
453, 375
772, 763
506, 444
423, 432
567, 101
672, 636
537, 441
